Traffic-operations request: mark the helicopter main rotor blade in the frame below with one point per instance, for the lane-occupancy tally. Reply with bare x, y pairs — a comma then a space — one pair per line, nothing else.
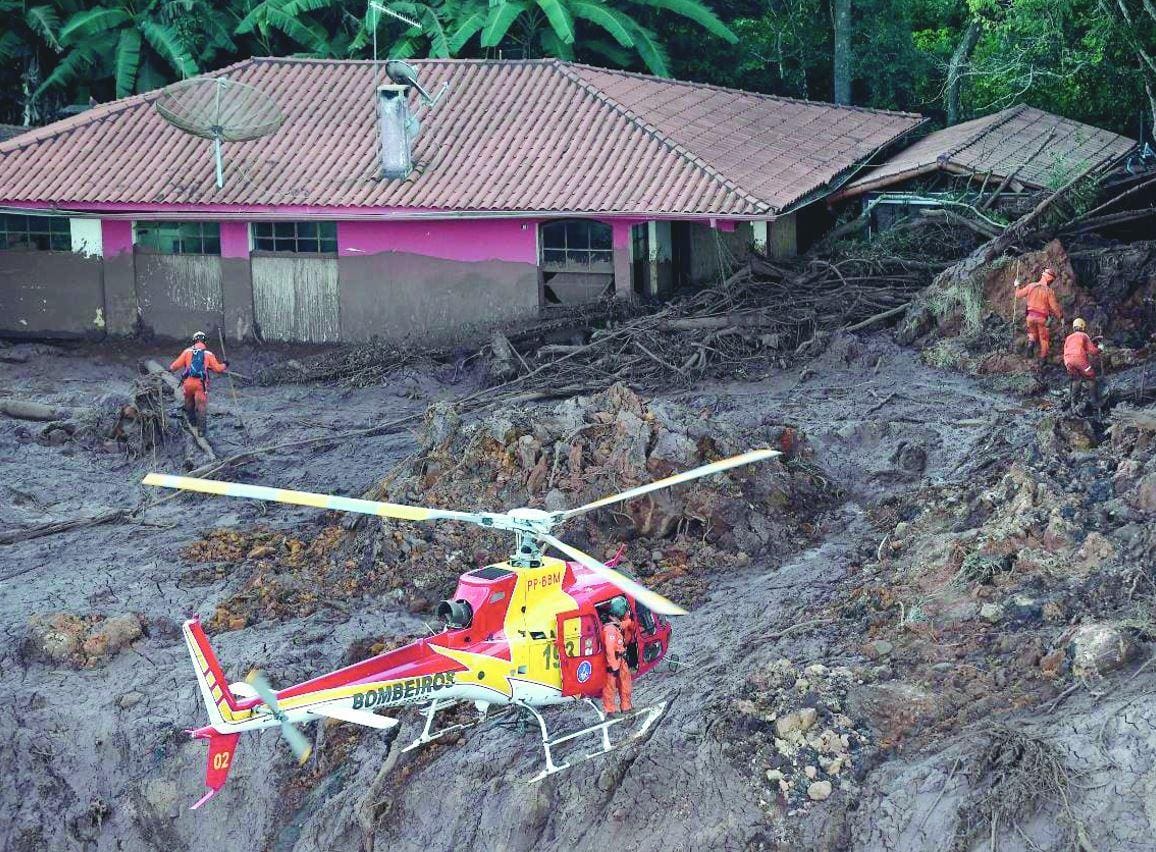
687, 476
651, 600
307, 498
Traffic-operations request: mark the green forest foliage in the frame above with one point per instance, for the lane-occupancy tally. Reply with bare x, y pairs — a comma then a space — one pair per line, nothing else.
1092, 60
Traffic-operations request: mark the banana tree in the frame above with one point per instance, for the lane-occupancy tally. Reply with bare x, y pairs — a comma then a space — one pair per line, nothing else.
138, 46
30, 42
552, 27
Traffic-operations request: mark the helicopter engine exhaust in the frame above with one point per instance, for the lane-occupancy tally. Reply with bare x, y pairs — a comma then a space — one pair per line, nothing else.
456, 613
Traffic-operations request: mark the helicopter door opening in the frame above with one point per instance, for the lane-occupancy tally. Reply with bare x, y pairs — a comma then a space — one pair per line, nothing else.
580, 654
649, 638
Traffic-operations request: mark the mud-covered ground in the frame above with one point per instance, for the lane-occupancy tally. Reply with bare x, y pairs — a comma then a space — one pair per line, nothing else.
93, 743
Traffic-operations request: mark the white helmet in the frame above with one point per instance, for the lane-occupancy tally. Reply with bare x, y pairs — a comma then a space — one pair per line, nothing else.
198, 337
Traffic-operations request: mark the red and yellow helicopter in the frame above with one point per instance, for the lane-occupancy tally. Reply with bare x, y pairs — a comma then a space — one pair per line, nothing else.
525, 632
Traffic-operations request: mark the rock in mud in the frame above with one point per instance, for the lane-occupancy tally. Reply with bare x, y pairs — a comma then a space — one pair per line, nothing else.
819, 791
1101, 648
62, 638
892, 709
797, 722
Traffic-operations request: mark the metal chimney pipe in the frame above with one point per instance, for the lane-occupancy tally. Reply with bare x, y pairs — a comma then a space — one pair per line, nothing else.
395, 124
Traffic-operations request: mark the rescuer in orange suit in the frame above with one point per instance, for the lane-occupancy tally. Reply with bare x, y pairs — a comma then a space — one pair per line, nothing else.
618, 678
1080, 356
1042, 305
195, 363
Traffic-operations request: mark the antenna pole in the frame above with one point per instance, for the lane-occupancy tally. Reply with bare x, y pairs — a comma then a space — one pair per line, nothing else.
217, 139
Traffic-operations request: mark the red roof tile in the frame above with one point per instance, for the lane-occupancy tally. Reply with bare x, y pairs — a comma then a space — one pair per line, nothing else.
1045, 148
509, 136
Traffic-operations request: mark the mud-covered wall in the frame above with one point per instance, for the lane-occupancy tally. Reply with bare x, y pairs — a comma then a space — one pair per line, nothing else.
295, 298
179, 293
120, 304
435, 280
51, 293
398, 295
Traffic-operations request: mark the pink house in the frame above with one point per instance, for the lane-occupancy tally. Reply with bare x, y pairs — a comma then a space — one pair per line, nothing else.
533, 183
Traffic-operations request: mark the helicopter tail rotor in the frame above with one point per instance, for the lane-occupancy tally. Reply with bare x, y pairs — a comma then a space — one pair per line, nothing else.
297, 741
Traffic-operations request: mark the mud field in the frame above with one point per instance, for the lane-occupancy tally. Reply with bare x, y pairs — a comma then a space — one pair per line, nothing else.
830, 696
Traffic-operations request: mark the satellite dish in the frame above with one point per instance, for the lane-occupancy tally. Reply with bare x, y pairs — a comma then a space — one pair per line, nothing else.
220, 109
404, 74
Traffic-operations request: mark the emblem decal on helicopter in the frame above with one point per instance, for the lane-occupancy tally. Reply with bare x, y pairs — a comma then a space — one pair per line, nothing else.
410, 689
584, 671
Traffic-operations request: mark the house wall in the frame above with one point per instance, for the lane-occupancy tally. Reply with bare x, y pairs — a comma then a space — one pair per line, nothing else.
120, 305
178, 294
51, 293
442, 280
435, 280
713, 249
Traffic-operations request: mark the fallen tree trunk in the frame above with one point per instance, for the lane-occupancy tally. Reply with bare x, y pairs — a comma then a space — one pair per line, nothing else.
20, 409
156, 369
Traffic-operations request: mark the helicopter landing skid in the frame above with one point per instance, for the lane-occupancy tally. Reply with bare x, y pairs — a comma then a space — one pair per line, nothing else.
428, 735
649, 715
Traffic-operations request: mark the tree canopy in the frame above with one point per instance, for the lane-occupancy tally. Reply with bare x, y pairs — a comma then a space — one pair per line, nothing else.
1093, 60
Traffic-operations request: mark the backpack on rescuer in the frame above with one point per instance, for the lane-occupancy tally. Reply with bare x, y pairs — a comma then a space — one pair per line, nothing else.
196, 368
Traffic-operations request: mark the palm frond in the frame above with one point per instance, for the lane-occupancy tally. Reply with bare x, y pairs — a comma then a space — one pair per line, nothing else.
615, 54
11, 46
466, 30
296, 29
45, 22
256, 16
650, 50
128, 51
615, 23
297, 8
698, 12
561, 21
75, 63
499, 20
91, 22
554, 46
169, 46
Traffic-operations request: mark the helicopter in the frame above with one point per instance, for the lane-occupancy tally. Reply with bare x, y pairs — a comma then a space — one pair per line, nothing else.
526, 633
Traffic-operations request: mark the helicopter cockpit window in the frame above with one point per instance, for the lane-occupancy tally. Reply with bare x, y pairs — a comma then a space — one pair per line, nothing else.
646, 618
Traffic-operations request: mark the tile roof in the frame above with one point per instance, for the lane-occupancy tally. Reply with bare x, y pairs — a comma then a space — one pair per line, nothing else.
509, 136
1040, 145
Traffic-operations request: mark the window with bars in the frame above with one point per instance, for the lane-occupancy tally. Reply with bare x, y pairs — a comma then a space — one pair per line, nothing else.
296, 237
34, 233
577, 243
179, 237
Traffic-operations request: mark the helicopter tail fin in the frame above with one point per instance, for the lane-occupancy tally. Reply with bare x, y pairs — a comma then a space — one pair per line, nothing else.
219, 699
221, 704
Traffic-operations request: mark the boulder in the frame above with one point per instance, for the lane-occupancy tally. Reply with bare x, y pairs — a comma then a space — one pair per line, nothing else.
1099, 648
819, 791
893, 708
796, 722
